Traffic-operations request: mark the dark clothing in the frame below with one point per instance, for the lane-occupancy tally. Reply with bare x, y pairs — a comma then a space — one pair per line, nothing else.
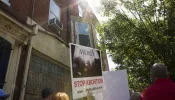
162, 89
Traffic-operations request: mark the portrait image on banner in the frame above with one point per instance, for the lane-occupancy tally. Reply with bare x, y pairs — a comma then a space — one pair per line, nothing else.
86, 71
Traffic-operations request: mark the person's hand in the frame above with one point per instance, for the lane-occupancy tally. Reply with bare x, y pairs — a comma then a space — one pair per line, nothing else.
90, 96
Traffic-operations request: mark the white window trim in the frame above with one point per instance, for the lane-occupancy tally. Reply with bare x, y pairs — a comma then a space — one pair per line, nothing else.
80, 11
59, 18
55, 15
72, 31
94, 32
6, 2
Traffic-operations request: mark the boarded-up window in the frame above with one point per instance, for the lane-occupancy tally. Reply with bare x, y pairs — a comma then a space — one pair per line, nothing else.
84, 40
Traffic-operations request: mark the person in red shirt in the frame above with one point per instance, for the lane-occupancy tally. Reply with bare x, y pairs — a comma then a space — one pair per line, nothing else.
163, 88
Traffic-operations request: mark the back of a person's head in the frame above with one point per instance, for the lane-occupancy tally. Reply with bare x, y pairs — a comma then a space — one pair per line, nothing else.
46, 92
61, 96
159, 70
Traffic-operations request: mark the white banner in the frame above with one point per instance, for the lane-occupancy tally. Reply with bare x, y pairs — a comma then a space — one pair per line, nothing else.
116, 85
86, 71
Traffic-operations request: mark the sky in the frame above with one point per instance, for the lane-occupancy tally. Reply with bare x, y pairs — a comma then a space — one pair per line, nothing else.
96, 5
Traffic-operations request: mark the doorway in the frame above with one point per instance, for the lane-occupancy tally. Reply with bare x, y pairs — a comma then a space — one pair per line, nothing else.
5, 50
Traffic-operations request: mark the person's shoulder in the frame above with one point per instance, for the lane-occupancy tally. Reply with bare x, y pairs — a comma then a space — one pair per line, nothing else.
143, 95
146, 90
172, 85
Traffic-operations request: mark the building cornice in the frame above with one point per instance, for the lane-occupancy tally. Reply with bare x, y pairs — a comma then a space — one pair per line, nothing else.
14, 28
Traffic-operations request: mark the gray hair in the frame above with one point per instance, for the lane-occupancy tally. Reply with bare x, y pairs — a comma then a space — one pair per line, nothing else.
159, 70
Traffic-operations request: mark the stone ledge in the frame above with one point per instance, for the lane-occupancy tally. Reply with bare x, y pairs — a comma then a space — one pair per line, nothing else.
15, 29
41, 29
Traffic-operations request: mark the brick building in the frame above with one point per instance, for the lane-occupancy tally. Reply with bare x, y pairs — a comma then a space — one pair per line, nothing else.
34, 37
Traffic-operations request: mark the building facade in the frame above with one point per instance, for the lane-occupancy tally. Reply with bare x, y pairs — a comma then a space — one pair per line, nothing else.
34, 38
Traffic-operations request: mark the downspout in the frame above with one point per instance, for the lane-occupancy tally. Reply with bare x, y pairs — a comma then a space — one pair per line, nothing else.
68, 24
29, 51
27, 62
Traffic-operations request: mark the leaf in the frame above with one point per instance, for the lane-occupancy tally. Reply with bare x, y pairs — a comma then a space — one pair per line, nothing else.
140, 33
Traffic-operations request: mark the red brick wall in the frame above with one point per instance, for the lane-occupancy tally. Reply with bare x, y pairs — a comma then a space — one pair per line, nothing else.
41, 15
17, 9
40, 12
21, 9
74, 7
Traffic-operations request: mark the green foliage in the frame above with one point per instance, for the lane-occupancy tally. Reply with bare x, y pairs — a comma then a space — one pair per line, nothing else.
139, 34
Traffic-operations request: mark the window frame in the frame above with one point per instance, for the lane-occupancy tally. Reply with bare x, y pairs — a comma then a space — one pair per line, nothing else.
6, 2
80, 11
50, 12
77, 33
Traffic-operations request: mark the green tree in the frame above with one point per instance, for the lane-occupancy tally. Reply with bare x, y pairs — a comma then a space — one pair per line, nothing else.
138, 34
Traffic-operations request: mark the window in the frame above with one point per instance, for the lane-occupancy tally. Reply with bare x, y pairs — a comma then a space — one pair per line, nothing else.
55, 10
83, 34
6, 2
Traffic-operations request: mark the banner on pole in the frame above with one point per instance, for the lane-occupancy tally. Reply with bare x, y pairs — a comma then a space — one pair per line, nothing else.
86, 71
